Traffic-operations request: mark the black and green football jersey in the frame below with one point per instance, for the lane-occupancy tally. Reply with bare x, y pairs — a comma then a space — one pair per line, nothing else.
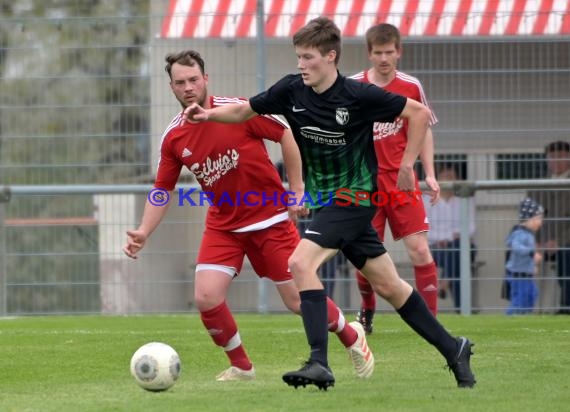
334, 132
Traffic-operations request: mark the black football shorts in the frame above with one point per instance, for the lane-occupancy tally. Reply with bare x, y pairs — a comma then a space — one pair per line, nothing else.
347, 228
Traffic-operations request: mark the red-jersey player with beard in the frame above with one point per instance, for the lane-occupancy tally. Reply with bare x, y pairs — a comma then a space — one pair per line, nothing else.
248, 213
405, 214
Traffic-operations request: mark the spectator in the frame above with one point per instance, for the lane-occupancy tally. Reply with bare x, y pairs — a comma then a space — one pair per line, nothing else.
444, 236
522, 264
554, 236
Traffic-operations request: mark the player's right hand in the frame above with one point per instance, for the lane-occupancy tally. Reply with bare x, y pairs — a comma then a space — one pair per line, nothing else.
135, 242
194, 113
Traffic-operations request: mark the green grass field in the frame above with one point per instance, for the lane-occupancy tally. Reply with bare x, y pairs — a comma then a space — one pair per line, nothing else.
82, 364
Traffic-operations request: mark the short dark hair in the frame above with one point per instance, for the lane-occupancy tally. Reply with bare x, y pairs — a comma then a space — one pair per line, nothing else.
185, 58
558, 146
321, 33
381, 34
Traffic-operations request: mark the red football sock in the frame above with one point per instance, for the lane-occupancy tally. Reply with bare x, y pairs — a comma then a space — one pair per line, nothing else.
426, 284
337, 324
222, 328
366, 292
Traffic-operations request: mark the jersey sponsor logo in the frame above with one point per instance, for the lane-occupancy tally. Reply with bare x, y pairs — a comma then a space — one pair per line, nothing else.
342, 115
298, 109
383, 130
186, 152
211, 170
321, 136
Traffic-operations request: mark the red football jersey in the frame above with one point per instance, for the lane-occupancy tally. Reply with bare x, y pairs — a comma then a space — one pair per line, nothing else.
230, 162
390, 139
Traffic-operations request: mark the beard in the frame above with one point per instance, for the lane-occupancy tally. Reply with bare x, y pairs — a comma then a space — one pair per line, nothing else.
200, 100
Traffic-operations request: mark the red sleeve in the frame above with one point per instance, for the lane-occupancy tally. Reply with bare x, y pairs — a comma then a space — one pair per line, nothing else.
421, 97
268, 127
169, 167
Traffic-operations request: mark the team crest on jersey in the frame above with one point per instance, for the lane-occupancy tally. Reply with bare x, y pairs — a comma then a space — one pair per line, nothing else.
342, 115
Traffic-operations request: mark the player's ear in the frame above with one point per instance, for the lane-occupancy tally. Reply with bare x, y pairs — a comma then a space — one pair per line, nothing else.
331, 56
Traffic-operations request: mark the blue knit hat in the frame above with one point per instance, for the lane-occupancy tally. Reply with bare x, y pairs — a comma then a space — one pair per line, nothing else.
530, 208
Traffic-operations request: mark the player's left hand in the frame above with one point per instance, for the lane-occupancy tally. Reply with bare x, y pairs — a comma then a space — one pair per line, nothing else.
434, 190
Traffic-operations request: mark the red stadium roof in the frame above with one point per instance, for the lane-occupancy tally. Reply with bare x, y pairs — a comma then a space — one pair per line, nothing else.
236, 18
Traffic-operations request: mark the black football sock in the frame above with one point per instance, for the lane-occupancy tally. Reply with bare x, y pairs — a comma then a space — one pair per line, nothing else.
416, 314
315, 320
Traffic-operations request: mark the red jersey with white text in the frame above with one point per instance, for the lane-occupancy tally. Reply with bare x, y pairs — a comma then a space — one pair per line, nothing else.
390, 139
232, 166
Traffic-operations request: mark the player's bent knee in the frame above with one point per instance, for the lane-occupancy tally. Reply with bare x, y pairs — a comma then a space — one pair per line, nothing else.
205, 301
298, 266
420, 253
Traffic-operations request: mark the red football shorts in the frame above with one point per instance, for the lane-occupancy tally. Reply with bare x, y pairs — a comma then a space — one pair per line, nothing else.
268, 250
404, 212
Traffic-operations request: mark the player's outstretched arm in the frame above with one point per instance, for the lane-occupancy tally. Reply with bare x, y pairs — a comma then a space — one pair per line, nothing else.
136, 239
228, 113
418, 117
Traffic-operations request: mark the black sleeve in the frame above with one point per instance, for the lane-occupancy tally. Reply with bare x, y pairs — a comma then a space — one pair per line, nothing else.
380, 105
274, 100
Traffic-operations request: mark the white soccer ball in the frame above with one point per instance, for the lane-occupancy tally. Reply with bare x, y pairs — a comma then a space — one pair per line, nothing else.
155, 366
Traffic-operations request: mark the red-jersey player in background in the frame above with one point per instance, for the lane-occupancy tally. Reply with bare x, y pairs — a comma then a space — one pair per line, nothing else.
405, 214
248, 214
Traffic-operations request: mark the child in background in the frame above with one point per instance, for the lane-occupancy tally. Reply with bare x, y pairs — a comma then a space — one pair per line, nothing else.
523, 258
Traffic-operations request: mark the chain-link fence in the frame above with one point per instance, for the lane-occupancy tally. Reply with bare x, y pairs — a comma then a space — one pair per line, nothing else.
84, 101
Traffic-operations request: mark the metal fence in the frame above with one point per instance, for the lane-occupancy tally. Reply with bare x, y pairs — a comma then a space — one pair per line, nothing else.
74, 263
84, 100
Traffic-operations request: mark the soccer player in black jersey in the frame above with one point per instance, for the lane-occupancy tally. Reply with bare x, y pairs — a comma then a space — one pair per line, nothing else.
332, 117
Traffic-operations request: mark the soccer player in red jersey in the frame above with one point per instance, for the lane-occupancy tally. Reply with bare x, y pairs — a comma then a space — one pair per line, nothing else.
249, 212
405, 214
